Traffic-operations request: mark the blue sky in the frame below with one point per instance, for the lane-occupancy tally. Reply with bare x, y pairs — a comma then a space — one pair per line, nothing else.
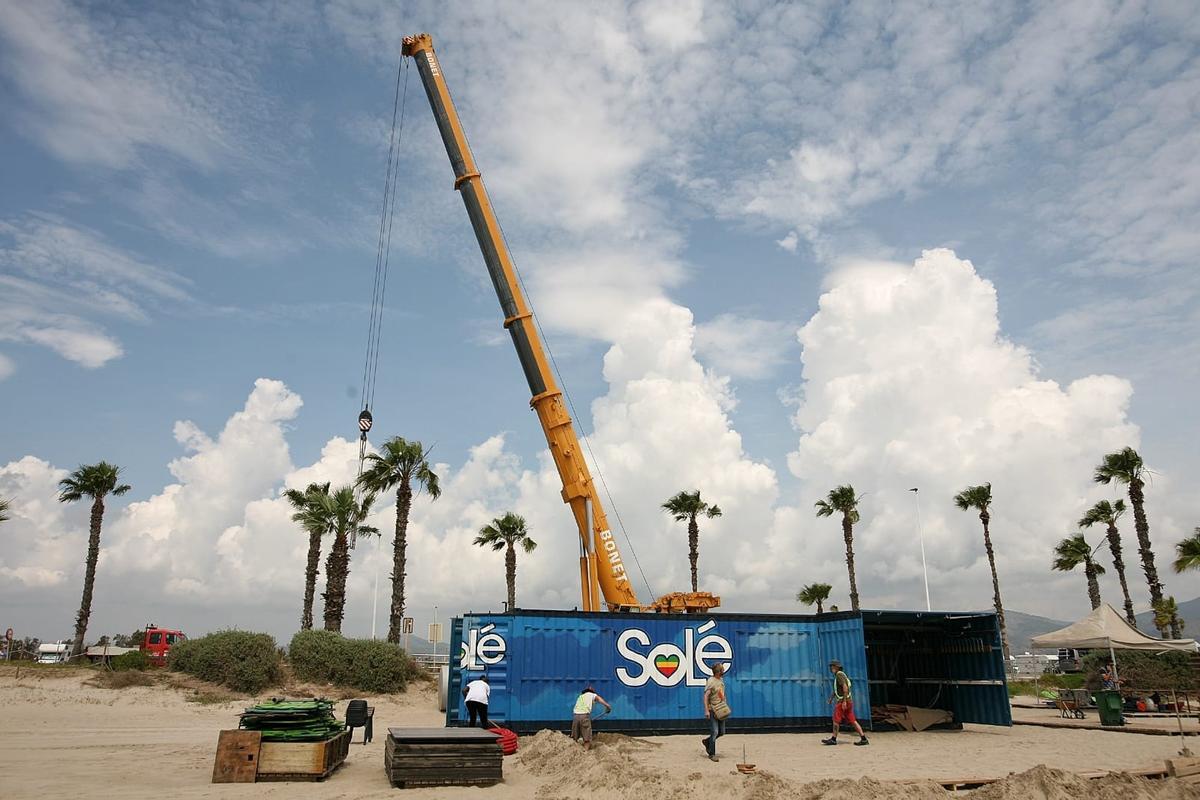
190, 203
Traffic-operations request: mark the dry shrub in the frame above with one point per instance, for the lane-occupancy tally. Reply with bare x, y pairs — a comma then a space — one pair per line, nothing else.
107, 679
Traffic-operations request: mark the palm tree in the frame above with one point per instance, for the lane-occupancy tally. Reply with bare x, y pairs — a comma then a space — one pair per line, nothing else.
96, 481
4, 506
316, 525
345, 516
398, 465
686, 507
843, 500
1109, 513
1073, 551
1187, 553
504, 533
979, 498
814, 594
1126, 467
1166, 615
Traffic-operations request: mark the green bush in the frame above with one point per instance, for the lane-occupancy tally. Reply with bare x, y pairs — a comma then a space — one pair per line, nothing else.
126, 661
364, 664
1143, 671
240, 660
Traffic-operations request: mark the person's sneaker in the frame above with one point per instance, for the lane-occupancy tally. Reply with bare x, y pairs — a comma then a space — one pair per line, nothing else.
830, 740
862, 741
713, 758
705, 742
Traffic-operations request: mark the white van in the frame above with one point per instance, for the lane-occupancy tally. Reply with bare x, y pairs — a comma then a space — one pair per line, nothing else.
53, 653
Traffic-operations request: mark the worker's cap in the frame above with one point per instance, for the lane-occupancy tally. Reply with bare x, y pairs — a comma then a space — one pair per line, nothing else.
835, 663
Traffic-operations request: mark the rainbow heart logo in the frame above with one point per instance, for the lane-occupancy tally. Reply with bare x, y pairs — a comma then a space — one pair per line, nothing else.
666, 665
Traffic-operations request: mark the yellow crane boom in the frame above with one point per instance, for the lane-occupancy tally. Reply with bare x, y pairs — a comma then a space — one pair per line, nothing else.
601, 568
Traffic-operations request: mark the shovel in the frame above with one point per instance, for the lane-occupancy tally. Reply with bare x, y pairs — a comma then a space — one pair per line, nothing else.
743, 767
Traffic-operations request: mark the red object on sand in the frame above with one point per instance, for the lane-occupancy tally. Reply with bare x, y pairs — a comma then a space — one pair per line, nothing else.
506, 739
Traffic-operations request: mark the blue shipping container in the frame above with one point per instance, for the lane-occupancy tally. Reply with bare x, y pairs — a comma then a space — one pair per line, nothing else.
652, 667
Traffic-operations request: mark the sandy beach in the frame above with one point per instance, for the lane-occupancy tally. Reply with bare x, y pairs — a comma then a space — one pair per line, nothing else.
61, 734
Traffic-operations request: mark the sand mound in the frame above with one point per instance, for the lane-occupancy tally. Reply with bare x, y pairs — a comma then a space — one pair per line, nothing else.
621, 767
578, 773
1044, 783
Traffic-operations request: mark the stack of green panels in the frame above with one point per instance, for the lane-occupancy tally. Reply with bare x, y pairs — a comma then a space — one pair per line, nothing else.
293, 720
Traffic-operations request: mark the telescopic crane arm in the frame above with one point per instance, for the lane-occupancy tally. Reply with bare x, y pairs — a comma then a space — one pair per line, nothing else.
601, 568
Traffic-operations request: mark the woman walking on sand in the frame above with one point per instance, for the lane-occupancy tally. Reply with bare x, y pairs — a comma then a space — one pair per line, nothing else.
716, 710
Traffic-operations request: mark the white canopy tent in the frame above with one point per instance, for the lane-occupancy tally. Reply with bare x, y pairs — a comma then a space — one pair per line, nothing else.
1106, 628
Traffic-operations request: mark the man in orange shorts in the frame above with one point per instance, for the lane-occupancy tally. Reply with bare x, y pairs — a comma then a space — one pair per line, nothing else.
843, 705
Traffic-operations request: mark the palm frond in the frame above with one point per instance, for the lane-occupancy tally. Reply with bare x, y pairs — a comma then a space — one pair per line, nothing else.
1123, 466
1187, 553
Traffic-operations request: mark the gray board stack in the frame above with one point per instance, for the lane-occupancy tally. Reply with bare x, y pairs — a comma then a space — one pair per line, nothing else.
442, 757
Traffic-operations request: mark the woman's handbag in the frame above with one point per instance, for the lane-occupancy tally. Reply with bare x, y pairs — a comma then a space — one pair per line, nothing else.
720, 710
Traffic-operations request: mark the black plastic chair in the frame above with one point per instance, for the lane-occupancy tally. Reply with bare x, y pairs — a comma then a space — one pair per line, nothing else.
360, 715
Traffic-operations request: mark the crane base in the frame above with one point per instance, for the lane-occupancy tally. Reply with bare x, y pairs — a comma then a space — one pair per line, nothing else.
684, 603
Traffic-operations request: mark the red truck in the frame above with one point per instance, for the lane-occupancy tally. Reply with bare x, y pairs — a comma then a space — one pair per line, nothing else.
156, 643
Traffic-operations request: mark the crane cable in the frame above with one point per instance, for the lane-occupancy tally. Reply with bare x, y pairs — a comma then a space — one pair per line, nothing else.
383, 251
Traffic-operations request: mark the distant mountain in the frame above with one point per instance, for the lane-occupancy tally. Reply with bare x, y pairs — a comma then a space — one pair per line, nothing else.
1189, 612
1023, 627
420, 646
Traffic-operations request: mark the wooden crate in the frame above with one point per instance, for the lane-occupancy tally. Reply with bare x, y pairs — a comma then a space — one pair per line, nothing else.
302, 761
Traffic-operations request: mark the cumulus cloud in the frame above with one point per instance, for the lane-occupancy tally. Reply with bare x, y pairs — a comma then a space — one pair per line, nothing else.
908, 381
43, 539
7, 367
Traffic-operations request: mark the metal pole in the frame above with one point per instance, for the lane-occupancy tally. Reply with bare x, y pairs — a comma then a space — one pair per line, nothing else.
1112, 654
1183, 749
375, 601
921, 536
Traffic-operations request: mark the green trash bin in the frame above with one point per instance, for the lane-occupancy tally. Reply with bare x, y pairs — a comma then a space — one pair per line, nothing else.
1108, 705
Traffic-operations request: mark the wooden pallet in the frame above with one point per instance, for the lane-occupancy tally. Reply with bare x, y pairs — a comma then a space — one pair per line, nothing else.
237, 757
442, 757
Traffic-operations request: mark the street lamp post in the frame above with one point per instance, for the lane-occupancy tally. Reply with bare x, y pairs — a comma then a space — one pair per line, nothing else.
375, 600
921, 535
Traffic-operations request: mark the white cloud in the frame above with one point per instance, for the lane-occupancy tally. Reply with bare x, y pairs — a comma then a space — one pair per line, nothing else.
60, 277
42, 541
743, 347
92, 102
789, 242
908, 381
7, 367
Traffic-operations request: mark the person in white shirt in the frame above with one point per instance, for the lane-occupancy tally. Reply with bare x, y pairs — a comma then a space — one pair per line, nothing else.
477, 693
581, 719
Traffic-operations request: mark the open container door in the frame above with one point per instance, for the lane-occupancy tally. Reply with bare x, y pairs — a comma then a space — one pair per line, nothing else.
945, 660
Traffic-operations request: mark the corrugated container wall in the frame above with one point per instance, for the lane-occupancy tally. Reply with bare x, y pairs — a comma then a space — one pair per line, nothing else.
652, 668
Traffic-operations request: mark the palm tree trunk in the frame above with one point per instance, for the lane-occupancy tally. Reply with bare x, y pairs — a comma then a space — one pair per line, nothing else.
848, 535
1114, 544
89, 575
510, 575
337, 568
1089, 569
693, 549
1137, 500
985, 518
310, 579
1176, 630
820, 608
399, 548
